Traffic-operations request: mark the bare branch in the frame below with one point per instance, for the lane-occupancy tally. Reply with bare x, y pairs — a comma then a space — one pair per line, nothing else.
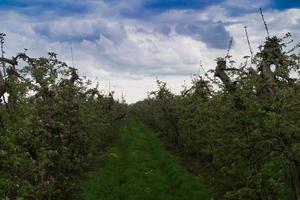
249, 44
263, 18
229, 47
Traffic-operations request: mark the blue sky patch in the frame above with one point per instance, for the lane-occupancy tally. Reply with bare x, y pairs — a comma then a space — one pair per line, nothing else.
56, 8
284, 4
179, 4
129, 8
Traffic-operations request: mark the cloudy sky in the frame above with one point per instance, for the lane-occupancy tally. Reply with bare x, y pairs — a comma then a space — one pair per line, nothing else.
127, 44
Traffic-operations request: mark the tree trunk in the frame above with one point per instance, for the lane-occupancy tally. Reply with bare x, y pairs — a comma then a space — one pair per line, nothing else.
295, 181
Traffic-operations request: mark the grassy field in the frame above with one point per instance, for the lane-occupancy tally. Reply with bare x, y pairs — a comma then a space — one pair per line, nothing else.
138, 168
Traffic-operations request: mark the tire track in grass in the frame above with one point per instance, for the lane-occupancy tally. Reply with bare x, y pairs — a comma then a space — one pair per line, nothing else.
138, 168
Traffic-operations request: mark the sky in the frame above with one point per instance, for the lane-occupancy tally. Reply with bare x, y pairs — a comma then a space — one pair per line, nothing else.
126, 45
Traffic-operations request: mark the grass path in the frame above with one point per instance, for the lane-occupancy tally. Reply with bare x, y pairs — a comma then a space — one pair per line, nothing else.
138, 168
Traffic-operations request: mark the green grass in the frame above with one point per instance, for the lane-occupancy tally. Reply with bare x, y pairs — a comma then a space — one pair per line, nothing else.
138, 168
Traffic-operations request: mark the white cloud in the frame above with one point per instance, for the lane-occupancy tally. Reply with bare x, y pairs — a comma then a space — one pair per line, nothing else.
130, 52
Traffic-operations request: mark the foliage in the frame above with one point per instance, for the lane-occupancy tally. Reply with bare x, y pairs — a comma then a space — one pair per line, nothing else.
244, 122
52, 122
